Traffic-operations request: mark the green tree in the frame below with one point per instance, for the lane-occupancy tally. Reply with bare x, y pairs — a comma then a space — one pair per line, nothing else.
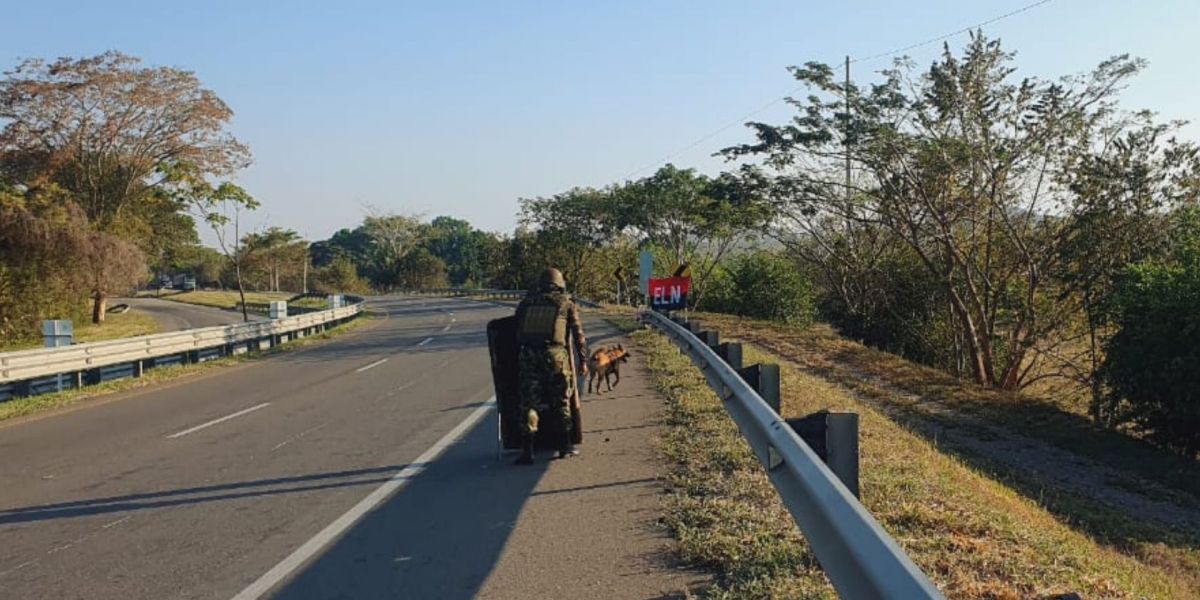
1152, 363
461, 247
420, 269
391, 237
340, 276
279, 251
691, 218
571, 229
971, 171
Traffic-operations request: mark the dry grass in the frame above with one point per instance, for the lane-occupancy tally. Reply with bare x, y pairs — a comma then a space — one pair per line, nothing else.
918, 392
976, 537
310, 303
225, 298
116, 325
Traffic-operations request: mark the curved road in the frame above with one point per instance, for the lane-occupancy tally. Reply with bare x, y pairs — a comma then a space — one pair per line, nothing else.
177, 316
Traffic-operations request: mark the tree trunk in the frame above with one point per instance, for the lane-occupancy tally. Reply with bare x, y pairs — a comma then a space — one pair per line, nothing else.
99, 306
979, 367
1011, 380
237, 269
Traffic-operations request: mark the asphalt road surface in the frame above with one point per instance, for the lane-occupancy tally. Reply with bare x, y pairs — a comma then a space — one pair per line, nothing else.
235, 484
177, 316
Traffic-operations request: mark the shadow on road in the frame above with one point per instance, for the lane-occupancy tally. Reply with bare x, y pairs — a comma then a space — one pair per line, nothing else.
197, 495
438, 538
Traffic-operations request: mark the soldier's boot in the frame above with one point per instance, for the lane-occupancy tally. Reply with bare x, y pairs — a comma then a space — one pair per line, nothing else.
565, 448
526, 457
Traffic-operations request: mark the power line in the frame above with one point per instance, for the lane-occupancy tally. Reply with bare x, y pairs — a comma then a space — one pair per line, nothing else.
714, 134
951, 34
785, 95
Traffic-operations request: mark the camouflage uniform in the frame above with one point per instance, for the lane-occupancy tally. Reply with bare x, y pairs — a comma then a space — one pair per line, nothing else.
546, 384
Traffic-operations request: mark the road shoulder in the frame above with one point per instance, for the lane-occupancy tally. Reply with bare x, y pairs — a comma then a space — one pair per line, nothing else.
591, 528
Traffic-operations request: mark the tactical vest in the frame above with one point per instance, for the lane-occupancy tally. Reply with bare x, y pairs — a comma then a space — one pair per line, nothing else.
543, 320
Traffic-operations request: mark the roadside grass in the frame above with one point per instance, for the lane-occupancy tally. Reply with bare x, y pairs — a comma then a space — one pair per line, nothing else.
878, 374
974, 536
310, 303
225, 298
116, 325
19, 407
157, 293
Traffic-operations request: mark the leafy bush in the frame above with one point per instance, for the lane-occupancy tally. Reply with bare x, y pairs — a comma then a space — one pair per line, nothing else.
340, 276
762, 285
1153, 361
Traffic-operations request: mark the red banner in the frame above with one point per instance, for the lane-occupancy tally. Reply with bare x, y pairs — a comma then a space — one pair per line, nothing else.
669, 293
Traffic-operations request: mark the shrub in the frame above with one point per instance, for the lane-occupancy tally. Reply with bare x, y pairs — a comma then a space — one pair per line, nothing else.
763, 285
1152, 363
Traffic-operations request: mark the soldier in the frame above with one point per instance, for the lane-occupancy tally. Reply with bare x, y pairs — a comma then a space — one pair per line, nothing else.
544, 319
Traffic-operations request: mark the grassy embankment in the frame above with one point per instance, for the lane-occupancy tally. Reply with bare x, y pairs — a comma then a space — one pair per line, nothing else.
977, 528
116, 325
226, 298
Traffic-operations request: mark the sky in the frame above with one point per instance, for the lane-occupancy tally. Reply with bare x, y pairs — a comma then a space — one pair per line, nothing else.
461, 108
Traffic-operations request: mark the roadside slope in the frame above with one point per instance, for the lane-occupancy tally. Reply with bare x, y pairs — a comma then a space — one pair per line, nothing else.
974, 536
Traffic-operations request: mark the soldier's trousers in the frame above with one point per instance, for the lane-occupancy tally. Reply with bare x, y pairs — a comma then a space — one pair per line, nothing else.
546, 388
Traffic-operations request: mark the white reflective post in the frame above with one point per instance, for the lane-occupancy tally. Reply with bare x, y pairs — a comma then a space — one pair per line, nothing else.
56, 334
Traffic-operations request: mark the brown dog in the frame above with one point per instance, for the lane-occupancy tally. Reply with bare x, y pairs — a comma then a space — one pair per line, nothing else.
606, 362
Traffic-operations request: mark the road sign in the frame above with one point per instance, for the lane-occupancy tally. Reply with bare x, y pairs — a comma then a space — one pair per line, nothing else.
645, 270
682, 270
669, 293
619, 274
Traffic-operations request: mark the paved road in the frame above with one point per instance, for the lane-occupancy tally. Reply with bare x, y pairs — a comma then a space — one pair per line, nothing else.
128, 499
176, 316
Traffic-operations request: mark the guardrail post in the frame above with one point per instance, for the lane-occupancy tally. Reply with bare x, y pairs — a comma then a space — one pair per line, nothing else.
710, 338
764, 378
138, 369
834, 438
731, 353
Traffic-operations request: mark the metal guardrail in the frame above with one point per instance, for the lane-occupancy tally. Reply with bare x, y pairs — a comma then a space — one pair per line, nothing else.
27, 372
859, 557
487, 293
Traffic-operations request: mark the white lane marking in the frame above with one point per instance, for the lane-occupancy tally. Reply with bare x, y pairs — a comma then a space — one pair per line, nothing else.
297, 436
216, 421
425, 341
371, 366
117, 522
445, 329
335, 529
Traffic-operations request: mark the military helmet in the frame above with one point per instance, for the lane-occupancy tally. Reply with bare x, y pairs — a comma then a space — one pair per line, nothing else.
552, 278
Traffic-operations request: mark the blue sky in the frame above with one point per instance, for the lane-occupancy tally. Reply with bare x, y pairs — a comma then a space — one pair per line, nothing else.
460, 108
